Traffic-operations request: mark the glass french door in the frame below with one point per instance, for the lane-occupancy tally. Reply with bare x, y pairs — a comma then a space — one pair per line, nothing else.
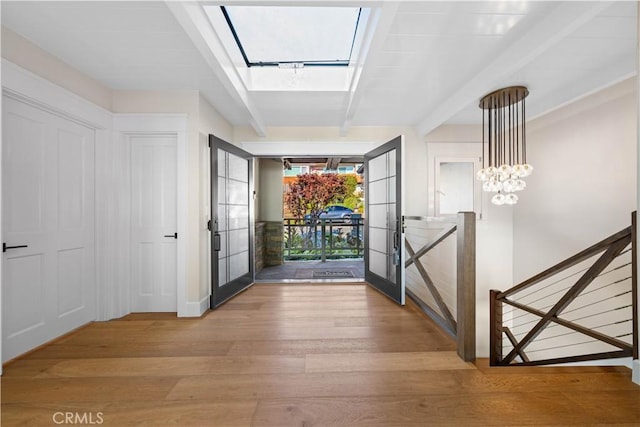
384, 234
232, 222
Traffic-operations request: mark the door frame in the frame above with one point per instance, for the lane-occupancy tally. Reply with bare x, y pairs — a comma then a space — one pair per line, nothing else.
247, 280
175, 125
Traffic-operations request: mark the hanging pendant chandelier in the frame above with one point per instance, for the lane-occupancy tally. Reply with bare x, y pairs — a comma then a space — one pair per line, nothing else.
504, 144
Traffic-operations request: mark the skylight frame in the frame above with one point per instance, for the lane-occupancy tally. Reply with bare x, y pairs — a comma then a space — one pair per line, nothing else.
293, 63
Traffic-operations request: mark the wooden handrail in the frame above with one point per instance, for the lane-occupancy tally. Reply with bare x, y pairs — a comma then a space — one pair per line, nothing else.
609, 249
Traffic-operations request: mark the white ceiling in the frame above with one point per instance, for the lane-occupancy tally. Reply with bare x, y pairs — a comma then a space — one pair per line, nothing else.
424, 63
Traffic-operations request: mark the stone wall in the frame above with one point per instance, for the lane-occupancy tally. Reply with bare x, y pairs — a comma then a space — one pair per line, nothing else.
260, 246
274, 243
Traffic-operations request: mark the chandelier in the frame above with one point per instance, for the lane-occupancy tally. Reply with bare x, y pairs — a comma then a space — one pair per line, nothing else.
504, 144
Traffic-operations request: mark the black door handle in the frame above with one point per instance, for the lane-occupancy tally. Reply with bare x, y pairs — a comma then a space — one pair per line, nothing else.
174, 235
5, 247
216, 242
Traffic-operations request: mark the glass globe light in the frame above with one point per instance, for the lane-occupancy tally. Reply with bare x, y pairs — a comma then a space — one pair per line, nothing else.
520, 185
527, 169
482, 175
511, 199
491, 170
498, 199
504, 170
518, 170
509, 185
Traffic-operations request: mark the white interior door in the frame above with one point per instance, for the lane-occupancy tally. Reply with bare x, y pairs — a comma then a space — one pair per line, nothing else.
48, 226
384, 231
233, 223
153, 223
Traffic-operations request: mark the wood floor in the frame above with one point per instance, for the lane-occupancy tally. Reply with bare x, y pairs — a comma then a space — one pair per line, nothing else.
297, 355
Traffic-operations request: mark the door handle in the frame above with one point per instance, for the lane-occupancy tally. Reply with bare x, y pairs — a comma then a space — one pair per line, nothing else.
174, 235
5, 247
216, 242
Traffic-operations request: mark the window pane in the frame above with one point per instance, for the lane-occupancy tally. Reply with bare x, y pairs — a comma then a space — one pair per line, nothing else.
294, 34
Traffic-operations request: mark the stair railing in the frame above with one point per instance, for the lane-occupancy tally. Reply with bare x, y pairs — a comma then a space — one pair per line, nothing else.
582, 309
445, 287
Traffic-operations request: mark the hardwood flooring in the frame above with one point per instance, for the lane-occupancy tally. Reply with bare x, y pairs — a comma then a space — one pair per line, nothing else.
297, 355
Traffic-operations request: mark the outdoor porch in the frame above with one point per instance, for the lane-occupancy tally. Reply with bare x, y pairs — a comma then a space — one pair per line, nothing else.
346, 269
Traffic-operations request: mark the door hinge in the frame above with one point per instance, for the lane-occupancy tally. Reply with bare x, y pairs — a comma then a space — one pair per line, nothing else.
209, 225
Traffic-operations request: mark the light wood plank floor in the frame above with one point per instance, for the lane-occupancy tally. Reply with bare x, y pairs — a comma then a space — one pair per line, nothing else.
297, 355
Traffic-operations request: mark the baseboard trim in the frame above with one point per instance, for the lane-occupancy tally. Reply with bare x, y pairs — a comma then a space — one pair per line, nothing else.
195, 309
635, 373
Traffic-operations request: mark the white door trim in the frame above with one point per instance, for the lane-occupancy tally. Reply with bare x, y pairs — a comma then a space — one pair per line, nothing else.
126, 125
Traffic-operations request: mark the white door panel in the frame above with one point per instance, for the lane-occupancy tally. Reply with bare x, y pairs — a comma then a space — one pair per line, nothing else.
154, 223
48, 206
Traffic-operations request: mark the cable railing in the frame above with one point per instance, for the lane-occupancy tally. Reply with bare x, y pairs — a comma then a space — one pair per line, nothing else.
323, 239
582, 309
440, 274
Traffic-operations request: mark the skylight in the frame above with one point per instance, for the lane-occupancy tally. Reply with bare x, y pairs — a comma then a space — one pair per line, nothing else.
290, 36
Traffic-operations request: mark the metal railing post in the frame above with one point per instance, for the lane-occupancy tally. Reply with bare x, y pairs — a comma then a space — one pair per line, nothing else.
323, 256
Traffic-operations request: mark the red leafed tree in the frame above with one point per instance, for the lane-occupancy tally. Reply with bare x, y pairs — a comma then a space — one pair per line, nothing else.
312, 193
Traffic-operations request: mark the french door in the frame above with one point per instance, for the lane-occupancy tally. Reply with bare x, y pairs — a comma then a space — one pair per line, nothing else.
232, 221
384, 232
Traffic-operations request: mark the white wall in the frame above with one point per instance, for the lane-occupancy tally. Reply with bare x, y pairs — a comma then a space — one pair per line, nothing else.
21, 52
209, 122
493, 231
176, 102
583, 188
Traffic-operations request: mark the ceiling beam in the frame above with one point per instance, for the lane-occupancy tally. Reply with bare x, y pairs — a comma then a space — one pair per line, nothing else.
562, 20
193, 19
378, 26
333, 163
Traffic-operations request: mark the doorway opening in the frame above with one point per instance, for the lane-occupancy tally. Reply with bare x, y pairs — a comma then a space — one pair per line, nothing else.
310, 219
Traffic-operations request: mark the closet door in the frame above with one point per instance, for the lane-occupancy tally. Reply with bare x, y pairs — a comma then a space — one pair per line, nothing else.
48, 227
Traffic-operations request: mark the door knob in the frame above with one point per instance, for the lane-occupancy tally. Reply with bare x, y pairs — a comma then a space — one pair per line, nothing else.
174, 235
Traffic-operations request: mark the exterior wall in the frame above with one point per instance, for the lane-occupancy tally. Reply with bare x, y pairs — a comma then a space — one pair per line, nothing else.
260, 246
22, 52
273, 243
269, 200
